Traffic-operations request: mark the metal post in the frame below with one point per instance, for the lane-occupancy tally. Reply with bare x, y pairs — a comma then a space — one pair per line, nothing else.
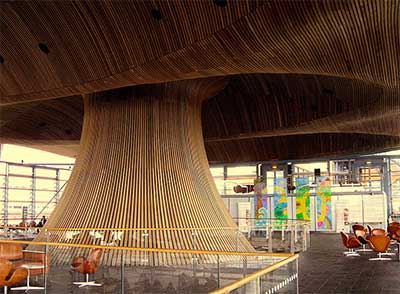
122, 273
5, 194
297, 276
270, 238
33, 193
225, 178
292, 243
218, 272
45, 260
57, 185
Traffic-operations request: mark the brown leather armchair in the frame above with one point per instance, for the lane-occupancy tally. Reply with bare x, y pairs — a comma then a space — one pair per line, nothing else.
393, 229
10, 276
380, 244
18, 257
378, 232
87, 266
361, 234
350, 243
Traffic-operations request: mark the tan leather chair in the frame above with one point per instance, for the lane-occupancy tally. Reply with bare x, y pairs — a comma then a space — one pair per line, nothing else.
18, 257
10, 276
361, 234
87, 266
350, 243
393, 229
378, 232
380, 244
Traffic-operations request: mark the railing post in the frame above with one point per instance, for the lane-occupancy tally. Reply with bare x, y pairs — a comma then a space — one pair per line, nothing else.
304, 237
271, 232
292, 237
122, 272
297, 276
194, 256
218, 272
46, 250
237, 239
146, 253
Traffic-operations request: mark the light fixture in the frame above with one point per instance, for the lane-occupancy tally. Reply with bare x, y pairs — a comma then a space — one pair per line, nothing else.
156, 14
43, 47
274, 166
368, 162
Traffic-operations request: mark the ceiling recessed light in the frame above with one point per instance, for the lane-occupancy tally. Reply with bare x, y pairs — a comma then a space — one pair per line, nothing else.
327, 91
221, 3
156, 14
43, 47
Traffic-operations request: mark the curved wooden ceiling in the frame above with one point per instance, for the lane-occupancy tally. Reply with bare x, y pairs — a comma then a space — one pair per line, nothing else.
320, 75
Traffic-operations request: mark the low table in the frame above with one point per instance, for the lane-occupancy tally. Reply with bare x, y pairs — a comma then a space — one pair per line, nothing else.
30, 266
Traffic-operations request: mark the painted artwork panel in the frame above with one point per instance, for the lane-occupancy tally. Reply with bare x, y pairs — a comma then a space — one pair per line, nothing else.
260, 203
303, 199
280, 198
324, 203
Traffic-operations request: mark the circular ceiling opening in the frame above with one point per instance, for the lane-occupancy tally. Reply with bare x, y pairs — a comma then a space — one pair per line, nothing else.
156, 14
221, 3
43, 47
68, 132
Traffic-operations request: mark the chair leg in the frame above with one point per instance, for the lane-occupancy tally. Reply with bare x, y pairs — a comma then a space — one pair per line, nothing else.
87, 282
380, 257
5, 289
363, 249
351, 252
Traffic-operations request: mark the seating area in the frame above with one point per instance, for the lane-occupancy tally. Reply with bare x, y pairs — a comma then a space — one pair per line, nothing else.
384, 243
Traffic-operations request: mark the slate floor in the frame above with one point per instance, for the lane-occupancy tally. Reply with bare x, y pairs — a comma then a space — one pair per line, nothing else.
324, 269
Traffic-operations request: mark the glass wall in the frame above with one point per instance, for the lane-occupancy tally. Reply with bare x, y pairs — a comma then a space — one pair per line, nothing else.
29, 191
339, 193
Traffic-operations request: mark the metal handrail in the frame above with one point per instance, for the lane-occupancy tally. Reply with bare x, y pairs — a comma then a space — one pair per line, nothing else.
139, 229
251, 277
158, 250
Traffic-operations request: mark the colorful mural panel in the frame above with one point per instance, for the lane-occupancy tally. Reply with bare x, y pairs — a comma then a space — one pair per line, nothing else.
260, 203
280, 198
324, 204
302, 198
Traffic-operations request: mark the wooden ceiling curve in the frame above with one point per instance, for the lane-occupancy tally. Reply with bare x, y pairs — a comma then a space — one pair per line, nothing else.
94, 46
322, 70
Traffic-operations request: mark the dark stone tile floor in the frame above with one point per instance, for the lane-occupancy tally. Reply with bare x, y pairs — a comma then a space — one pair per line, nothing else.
324, 269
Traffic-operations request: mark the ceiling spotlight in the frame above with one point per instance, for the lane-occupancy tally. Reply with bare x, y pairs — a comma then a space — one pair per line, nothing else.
43, 47
368, 162
221, 3
274, 166
156, 14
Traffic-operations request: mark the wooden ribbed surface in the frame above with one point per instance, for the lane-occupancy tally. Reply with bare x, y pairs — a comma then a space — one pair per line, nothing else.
101, 45
142, 165
323, 116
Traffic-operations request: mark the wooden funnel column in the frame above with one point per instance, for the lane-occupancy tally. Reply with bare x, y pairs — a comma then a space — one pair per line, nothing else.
142, 164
